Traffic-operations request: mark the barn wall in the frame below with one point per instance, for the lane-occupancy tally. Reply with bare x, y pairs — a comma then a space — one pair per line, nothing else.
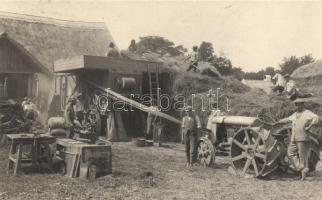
21, 74
12, 60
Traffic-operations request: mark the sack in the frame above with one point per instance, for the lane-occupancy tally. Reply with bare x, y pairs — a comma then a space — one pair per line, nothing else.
56, 122
58, 132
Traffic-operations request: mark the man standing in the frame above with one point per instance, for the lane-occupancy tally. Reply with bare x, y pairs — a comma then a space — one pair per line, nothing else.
69, 115
158, 126
149, 123
79, 108
194, 58
132, 48
190, 125
302, 120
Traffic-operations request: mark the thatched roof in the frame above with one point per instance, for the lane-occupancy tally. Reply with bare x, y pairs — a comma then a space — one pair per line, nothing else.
309, 70
49, 39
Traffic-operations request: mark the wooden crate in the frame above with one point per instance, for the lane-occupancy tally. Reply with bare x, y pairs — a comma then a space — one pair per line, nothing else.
79, 157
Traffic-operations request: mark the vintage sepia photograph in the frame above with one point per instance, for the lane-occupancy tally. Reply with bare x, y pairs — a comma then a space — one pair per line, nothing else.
160, 100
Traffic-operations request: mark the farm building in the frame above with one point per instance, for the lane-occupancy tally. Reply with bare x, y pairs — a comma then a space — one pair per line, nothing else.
29, 45
138, 80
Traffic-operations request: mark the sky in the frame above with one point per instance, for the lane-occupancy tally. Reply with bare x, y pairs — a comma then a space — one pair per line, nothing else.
253, 35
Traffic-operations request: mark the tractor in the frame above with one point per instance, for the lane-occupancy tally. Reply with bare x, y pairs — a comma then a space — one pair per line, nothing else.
257, 146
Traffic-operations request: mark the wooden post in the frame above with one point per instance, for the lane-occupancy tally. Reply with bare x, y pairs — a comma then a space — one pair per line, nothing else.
5, 88
18, 162
10, 162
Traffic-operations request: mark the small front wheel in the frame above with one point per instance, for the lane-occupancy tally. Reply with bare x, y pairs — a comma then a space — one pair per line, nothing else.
206, 152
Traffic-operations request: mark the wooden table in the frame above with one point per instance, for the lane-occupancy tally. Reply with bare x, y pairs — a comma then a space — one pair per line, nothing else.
18, 141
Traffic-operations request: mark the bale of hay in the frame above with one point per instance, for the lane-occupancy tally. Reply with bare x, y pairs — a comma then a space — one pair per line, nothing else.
58, 133
56, 122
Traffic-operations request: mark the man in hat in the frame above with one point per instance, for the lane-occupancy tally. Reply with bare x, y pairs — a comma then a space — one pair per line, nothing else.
132, 48
290, 87
302, 121
194, 59
279, 83
213, 127
292, 91
69, 115
190, 125
79, 108
113, 52
149, 122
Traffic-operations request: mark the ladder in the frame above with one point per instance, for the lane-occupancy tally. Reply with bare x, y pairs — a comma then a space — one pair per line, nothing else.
154, 85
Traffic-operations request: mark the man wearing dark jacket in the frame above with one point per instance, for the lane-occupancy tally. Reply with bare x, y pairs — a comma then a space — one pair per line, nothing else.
190, 125
69, 115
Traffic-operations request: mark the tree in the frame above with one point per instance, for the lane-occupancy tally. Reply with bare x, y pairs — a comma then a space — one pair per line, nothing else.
306, 59
222, 64
269, 71
160, 45
260, 74
238, 73
290, 64
206, 51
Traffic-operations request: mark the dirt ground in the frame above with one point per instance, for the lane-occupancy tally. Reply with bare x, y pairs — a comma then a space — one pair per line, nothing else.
131, 179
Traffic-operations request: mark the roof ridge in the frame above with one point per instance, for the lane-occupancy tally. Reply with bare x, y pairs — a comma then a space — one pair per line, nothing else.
52, 21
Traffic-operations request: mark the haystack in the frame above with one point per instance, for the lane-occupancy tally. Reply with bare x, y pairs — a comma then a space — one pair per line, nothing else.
308, 78
309, 70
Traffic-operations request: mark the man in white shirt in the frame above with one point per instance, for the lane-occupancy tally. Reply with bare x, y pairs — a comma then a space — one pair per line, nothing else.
279, 83
194, 58
290, 87
29, 109
292, 91
302, 121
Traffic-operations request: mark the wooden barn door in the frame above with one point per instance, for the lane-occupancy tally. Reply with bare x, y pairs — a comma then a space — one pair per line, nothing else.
17, 86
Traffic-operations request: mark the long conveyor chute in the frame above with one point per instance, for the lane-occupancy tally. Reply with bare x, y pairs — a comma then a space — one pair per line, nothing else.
117, 96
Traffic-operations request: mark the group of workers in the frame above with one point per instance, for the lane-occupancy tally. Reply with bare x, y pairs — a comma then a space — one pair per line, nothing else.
298, 150
284, 85
302, 121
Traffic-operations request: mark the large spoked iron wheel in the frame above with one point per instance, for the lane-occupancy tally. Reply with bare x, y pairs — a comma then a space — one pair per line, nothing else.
283, 137
248, 152
206, 152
